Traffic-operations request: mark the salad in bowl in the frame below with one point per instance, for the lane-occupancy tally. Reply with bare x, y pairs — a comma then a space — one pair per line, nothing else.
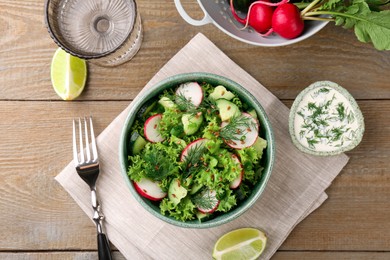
197, 151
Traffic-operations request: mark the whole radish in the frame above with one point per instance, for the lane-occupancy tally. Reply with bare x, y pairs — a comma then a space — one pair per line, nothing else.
287, 21
259, 17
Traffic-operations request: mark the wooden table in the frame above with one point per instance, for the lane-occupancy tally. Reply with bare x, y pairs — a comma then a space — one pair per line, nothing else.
39, 220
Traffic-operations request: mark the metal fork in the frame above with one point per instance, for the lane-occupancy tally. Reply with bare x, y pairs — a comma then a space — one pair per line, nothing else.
87, 166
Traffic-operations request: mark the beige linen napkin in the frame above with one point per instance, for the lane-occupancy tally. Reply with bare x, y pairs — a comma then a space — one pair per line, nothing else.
295, 189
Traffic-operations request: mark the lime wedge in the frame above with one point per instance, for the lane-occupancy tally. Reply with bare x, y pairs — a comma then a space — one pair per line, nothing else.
244, 243
68, 74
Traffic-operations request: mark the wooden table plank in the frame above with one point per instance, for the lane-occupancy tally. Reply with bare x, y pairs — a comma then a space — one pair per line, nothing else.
352, 214
56, 255
33, 203
41, 221
331, 255
278, 256
333, 54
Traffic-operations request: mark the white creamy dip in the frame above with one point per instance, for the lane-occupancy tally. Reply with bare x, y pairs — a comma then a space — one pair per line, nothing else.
325, 120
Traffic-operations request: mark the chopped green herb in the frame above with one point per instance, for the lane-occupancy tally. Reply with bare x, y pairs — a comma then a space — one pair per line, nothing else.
324, 120
341, 111
193, 161
232, 131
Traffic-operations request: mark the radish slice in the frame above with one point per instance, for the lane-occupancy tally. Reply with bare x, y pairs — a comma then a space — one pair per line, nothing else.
149, 189
151, 129
207, 201
236, 182
245, 137
195, 144
191, 91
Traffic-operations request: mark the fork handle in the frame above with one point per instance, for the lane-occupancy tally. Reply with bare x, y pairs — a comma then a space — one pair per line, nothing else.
104, 251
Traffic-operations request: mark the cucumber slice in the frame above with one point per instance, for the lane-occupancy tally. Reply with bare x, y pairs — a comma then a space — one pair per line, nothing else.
253, 113
195, 188
259, 146
136, 143
202, 216
178, 141
221, 92
167, 103
176, 191
227, 109
145, 109
191, 123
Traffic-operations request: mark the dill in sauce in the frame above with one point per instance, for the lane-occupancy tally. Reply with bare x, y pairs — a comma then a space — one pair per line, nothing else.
325, 120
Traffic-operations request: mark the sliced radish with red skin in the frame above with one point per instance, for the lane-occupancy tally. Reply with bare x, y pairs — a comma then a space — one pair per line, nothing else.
236, 182
207, 201
205, 211
191, 91
195, 144
245, 137
149, 189
151, 129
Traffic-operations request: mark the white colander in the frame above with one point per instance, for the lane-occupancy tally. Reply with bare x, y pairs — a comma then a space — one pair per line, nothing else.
218, 13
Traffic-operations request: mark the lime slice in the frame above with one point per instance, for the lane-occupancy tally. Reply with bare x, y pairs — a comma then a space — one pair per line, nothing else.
68, 74
244, 243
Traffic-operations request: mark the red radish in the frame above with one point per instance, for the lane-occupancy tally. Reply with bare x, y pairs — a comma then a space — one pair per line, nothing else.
236, 182
259, 16
191, 91
244, 137
207, 201
195, 144
151, 129
287, 21
149, 189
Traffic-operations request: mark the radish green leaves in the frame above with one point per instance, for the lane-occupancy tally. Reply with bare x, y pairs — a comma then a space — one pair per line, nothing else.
370, 23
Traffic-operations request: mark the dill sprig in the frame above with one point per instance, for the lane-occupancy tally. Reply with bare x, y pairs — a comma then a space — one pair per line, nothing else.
320, 91
208, 106
341, 111
205, 199
193, 160
237, 128
184, 104
311, 142
158, 166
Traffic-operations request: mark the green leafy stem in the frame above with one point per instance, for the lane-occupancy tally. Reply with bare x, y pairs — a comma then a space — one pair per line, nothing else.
370, 23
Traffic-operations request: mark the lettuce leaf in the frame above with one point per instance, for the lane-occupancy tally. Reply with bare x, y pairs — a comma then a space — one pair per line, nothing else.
170, 120
227, 202
183, 211
156, 162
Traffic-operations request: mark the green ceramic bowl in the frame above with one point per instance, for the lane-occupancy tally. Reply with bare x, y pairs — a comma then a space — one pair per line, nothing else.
265, 132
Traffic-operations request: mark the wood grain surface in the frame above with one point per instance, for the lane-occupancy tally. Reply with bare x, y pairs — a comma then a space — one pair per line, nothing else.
39, 220
278, 256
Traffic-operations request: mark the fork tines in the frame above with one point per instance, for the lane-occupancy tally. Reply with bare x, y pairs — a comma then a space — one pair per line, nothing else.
83, 156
